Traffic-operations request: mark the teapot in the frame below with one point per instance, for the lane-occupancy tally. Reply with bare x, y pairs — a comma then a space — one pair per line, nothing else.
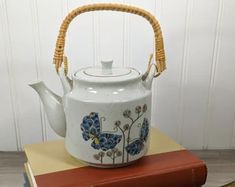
105, 112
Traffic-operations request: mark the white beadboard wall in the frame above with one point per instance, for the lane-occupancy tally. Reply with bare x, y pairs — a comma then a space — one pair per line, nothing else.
193, 100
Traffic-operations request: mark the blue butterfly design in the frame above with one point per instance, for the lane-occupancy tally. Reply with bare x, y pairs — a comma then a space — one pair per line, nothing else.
136, 146
90, 127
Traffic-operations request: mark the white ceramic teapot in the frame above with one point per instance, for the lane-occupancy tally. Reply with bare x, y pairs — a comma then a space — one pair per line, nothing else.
105, 112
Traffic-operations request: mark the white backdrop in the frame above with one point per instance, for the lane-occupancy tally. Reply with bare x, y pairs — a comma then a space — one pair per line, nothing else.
193, 100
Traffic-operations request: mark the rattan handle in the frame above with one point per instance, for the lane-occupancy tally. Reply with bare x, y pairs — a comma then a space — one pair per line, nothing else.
159, 48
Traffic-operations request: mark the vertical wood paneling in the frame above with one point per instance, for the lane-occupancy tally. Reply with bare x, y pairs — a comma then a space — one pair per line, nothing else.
223, 97
96, 37
126, 39
108, 36
158, 9
79, 42
48, 26
111, 35
193, 100
24, 70
167, 94
183, 78
141, 36
216, 48
8, 125
37, 49
197, 72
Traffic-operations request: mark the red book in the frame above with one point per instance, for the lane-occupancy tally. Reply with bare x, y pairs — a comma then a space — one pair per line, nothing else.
166, 164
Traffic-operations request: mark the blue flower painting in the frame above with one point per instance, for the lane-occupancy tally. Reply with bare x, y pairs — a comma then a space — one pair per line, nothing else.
91, 129
137, 145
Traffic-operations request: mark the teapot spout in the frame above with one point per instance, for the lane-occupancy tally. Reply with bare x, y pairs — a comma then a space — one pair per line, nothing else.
53, 106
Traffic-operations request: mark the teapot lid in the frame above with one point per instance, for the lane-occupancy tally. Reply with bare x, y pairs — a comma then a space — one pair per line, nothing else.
106, 73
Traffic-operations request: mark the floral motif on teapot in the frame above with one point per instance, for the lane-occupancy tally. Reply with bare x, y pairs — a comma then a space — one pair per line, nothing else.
106, 142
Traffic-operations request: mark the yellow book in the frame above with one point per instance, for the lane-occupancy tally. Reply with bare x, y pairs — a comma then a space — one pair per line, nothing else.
49, 164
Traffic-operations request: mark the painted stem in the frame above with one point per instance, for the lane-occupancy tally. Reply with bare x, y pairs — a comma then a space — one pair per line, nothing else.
129, 131
124, 139
101, 159
114, 159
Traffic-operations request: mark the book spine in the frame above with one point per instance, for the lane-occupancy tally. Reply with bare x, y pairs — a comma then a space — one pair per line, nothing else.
186, 176
29, 174
26, 180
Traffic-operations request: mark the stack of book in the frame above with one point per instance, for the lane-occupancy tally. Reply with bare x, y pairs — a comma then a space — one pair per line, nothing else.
166, 164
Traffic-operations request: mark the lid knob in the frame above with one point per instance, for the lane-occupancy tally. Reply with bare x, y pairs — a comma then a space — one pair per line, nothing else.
107, 67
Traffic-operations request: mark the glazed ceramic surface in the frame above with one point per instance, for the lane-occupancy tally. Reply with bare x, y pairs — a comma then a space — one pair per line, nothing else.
108, 121
105, 111
104, 114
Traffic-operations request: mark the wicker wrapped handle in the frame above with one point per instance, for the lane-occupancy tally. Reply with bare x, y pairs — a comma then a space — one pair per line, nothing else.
159, 48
